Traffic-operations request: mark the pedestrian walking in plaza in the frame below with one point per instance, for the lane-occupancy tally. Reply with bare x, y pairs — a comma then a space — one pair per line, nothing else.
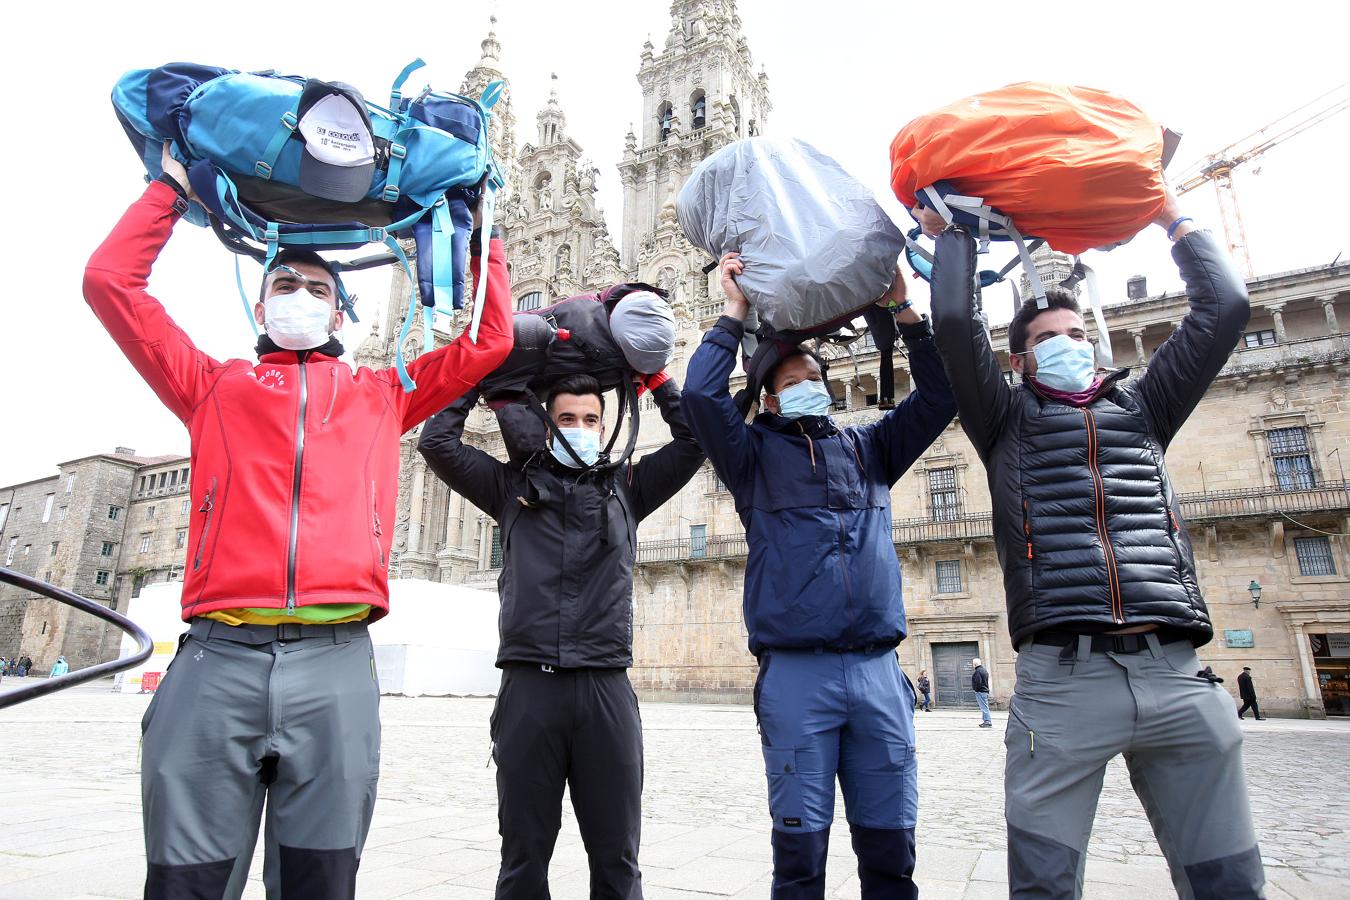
1104, 606
25, 666
979, 683
566, 714
823, 604
1247, 691
272, 697
60, 668
925, 686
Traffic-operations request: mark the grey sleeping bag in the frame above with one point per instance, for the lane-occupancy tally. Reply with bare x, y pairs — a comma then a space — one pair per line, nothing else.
816, 244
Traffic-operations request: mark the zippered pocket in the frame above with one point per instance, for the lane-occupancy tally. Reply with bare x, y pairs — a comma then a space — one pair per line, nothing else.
376, 528
1031, 732
332, 400
1026, 529
209, 508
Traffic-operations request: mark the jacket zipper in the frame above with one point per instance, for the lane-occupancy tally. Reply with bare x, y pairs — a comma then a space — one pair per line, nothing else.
295, 490
376, 527
208, 506
1099, 496
332, 401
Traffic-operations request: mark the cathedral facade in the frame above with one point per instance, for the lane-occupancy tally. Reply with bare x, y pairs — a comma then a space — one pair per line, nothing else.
1258, 466
1265, 496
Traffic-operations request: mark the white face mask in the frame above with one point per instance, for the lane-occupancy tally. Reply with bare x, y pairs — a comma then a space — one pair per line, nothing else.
297, 321
584, 441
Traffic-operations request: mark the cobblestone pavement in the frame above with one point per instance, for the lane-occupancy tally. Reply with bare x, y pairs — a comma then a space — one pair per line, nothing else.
71, 806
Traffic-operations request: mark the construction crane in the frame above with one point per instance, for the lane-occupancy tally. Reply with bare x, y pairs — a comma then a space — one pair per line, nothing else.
1218, 167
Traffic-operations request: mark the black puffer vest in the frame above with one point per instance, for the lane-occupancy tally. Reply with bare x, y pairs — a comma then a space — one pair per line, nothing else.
1092, 535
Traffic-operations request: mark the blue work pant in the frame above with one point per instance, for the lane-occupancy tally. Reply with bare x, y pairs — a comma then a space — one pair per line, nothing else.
824, 715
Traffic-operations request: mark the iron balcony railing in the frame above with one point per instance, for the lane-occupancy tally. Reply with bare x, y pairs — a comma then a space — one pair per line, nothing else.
1264, 502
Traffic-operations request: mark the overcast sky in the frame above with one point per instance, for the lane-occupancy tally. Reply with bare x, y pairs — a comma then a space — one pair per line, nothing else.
845, 81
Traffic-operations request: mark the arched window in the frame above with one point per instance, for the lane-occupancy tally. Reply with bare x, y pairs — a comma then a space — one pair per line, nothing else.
532, 300
663, 116
699, 106
736, 116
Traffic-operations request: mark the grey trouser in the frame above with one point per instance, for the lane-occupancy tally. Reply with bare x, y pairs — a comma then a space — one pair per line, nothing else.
286, 713
1072, 711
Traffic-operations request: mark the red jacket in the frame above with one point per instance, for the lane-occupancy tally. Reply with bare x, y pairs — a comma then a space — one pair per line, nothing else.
294, 462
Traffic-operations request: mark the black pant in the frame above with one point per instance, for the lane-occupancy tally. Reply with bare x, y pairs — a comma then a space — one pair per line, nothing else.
578, 728
1249, 704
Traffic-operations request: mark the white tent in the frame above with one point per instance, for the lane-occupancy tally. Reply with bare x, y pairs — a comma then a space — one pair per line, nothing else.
439, 639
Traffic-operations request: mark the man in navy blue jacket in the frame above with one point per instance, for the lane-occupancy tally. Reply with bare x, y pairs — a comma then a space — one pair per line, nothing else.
823, 605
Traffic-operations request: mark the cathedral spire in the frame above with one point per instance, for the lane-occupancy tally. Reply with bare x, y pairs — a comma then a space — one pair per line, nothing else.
552, 122
492, 48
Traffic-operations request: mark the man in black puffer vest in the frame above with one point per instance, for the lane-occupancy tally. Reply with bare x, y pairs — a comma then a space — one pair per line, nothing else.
1103, 602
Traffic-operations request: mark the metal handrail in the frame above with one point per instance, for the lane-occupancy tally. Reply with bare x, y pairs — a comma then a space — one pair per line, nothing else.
61, 682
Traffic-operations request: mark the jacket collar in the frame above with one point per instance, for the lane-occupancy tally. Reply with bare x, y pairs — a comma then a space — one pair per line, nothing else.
815, 427
1107, 385
269, 352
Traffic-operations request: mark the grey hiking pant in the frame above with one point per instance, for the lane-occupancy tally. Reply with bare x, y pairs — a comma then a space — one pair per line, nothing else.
1072, 711
289, 714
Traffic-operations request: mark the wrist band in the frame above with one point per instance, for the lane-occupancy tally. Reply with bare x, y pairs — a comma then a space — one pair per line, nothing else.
900, 307
1173, 227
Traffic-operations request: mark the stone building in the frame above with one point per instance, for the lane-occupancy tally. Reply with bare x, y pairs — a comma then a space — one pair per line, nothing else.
72, 530
1268, 507
1265, 497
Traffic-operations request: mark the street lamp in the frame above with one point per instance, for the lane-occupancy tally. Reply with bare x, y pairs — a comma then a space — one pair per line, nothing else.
1255, 590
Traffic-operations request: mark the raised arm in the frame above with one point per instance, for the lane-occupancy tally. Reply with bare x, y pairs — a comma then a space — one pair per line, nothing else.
115, 283
467, 470
445, 374
1183, 368
659, 476
718, 426
982, 396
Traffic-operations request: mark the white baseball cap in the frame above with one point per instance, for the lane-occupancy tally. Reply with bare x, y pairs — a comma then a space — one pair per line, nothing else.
339, 159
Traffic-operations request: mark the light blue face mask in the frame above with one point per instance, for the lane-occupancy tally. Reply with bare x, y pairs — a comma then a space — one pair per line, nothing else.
805, 398
1065, 364
584, 441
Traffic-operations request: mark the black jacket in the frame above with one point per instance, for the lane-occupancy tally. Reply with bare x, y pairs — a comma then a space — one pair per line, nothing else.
1246, 690
567, 571
979, 680
923, 684
1087, 525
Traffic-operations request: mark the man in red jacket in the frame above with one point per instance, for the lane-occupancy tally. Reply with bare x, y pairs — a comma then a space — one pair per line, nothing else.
294, 471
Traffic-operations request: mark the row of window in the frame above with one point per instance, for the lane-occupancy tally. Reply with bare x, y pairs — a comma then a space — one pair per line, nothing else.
1313, 554
161, 480
698, 116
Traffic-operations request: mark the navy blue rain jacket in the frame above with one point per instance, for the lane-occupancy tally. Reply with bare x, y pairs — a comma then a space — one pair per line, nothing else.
815, 499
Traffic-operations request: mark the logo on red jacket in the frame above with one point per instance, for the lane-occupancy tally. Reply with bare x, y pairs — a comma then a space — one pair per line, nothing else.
273, 378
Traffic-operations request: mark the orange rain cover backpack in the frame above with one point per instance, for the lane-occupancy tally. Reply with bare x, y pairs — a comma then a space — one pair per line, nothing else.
1075, 166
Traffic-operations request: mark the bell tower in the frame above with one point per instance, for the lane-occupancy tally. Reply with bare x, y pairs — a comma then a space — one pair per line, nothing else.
700, 93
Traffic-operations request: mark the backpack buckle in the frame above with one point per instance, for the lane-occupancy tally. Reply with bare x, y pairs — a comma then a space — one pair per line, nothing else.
377, 235
262, 169
391, 194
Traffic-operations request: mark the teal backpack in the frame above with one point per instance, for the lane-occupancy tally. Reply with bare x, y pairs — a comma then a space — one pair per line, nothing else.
287, 161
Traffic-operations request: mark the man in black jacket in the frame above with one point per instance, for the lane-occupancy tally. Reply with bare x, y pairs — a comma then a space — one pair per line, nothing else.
566, 713
1103, 601
979, 683
1247, 691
